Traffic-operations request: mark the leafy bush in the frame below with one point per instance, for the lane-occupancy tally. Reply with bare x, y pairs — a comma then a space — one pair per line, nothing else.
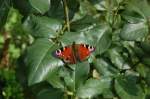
119, 29
9, 86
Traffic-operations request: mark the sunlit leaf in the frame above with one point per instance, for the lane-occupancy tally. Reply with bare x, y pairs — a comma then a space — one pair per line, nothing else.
105, 68
141, 7
77, 76
85, 23
117, 59
128, 89
40, 5
93, 87
42, 26
135, 31
41, 63
81, 73
69, 37
100, 37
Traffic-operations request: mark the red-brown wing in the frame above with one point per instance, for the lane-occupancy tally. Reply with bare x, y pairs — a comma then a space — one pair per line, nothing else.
67, 54
83, 51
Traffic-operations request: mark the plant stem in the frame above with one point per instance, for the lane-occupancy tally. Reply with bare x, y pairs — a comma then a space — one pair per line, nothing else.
5, 54
66, 14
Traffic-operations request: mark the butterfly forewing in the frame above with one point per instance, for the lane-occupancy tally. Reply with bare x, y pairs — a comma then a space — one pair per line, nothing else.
84, 51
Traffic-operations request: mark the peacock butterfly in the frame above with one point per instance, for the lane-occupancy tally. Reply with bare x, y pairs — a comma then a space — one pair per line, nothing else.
73, 53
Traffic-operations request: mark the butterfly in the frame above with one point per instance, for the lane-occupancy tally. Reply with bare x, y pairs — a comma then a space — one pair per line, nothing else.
74, 53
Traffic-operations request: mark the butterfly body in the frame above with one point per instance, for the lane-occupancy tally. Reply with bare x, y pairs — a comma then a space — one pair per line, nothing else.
73, 53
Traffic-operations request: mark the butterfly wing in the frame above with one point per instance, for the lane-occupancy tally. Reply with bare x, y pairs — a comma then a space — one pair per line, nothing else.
83, 51
70, 54
66, 54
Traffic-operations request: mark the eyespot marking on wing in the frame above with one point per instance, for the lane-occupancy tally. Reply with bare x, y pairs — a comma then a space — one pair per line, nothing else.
58, 52
91, 48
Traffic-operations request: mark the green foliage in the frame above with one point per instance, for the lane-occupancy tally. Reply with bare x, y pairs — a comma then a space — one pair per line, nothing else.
93, 87
4, 5
119, 29
11, 89
125, 89
40, 6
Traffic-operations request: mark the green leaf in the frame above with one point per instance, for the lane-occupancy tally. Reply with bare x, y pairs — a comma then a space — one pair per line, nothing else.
141, 7
40, 5
100, 37
142, 69
42, 26
41, 63
128, 89
138, 50
67, 75
147, 92
93, 87
146, 60
134, 31
50, 94
23, 6
81, 73
85, 9
105, 68
146, 46
132, 17
77, 76
108, 6
69, 37
108, 94
85, 23
100, 5
117, 59
4, 9
57, 9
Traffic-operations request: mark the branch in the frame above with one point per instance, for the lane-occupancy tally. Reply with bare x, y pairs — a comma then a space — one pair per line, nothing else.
5, 53
66, 14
